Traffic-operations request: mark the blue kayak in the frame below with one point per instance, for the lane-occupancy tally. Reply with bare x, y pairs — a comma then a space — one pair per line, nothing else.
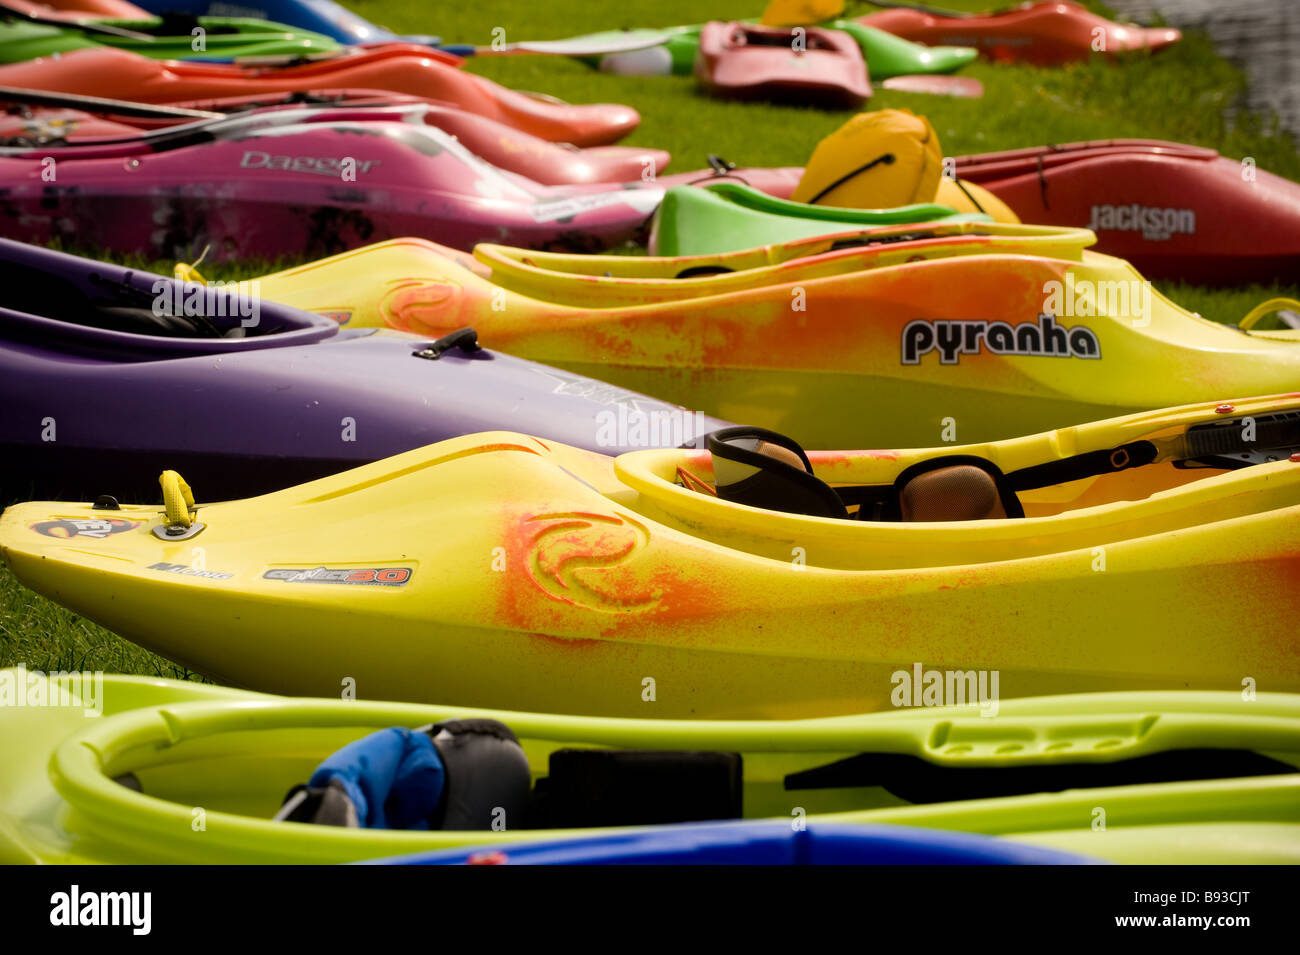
320, 16
759, 843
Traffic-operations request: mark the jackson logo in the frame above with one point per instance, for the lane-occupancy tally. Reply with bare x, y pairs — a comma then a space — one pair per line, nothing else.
1155, 223
357, 576
1044, 339
93, 527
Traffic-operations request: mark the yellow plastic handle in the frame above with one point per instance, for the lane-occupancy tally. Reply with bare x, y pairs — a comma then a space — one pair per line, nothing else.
184, 272
1266, 308
178, 499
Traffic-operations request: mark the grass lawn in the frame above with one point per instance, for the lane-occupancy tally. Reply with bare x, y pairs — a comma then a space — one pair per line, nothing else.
1182, 94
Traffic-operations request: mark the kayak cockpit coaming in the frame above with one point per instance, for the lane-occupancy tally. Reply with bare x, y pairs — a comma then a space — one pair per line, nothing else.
611, 282
141, 772
1169, 478
57, 300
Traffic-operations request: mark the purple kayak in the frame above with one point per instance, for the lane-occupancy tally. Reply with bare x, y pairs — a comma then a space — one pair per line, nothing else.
110, 375
285, 182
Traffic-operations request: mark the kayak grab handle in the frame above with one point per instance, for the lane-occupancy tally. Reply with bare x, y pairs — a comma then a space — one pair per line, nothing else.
1267, 308
178, 500
466, 339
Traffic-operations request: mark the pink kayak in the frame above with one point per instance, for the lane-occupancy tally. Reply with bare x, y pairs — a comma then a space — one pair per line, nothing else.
265, 185
514, 150
1044, 34
1173, 210
806, 65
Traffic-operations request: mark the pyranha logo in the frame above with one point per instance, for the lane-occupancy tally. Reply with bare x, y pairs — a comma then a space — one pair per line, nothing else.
953, 338
1155, 223
89, 527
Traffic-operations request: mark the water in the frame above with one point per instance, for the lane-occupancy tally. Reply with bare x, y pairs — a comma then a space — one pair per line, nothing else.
1260, 36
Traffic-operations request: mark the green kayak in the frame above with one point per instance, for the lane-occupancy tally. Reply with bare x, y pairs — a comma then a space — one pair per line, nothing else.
728, 217
672, 50
223, 38
136, 770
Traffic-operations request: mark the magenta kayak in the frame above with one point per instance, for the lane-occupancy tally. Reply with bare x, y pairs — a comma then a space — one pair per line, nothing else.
269, 184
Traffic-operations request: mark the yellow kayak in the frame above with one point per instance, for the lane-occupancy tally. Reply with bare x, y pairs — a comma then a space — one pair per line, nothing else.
1156, 551
136, 770
906, 336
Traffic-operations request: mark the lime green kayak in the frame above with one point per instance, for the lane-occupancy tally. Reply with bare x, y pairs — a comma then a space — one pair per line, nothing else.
729, 216
886, 55
136, 770
223, 38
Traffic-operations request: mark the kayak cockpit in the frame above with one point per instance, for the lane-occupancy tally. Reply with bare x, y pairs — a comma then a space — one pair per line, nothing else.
757, 491
611, 281
56, 298
372, 779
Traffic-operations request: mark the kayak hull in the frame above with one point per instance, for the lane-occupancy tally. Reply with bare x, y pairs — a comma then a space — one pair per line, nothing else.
322, 16
1042, 34
557, 580
730, 217
249, 415
395, 68
235, 754
772, 843
801, 338
292, 182
1174, 211
223, 38
503, 146
821, 67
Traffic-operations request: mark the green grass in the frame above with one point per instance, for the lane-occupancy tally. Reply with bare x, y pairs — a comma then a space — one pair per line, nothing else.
1182, 94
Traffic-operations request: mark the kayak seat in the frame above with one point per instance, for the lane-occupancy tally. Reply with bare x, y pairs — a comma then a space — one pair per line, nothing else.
455, 775
586, 788
960, 492
952, 488
760, 468
764, 469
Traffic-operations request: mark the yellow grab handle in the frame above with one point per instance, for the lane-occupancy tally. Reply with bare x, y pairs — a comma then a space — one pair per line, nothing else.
184, 272
1266, 308
178, 499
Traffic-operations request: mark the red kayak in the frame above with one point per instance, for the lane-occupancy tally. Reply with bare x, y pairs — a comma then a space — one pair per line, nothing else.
1043, 34
806, 65
395, 67
1174, 211
76, 11
547, 163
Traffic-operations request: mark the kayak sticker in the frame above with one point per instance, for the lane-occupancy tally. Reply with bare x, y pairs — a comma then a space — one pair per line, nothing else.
644, 201
1155, 223
589, 388
952, 339
564, 547
355, 576
187, 571
96, 527
334, 167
